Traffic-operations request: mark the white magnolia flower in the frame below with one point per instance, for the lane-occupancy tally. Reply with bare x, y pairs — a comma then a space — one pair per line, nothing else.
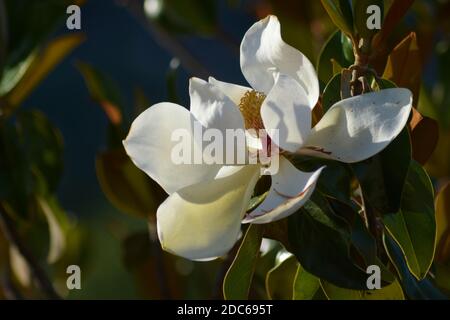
201, 218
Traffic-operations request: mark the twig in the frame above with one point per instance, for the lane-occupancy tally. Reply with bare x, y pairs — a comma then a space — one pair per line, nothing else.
9, 289
38, 274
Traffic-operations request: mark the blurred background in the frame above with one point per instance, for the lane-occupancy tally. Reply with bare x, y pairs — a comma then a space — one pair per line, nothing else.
137, 53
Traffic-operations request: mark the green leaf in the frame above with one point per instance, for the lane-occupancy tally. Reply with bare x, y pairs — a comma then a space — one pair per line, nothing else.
442, 277
386, 84
280, 279
42, 146
31, 161
332, 92
413, 288
383, 176
337, 48
104, 91
17, 84
360, 16
58, 226
238, 279
334, 181
413, 227
19, 267
30, 23
363, 242
322, 244
340, 12
305, 284
3, 35
443, 224
392, 291
16, 180
256, 201
128, 188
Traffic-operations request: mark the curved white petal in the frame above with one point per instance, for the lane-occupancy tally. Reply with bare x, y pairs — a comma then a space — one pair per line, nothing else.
150, 144
357, 128
212, 108
286, 110
290, 189
264, 53
203, 220
233, 91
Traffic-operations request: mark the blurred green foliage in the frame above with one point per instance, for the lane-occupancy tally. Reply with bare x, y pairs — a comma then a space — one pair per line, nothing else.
320, 253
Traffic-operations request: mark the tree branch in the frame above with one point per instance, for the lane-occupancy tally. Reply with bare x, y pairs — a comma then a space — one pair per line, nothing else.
38, 274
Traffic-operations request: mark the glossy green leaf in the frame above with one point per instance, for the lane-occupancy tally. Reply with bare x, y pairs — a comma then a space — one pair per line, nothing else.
392, 291
31, 161
58, 226
332, 92
128, 188
413, 288
334, 181
42, 146
19, 267
365, 246
18, 84
256, 201
442, 277
104, 91
3, 35
30, 23
16, 180
305, 284
443, 224
321, 243
337, 48
386, 84
238, 279
280, 279
414, 226
340, 12
381, 181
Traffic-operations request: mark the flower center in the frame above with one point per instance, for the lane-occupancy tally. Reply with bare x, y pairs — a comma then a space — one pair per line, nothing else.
250, 107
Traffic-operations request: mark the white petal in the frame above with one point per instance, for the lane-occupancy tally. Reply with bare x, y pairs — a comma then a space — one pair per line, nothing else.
290, 189
263, 53
233, 91
212, 107
357, 128
149, 145
203, 220
286, 109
